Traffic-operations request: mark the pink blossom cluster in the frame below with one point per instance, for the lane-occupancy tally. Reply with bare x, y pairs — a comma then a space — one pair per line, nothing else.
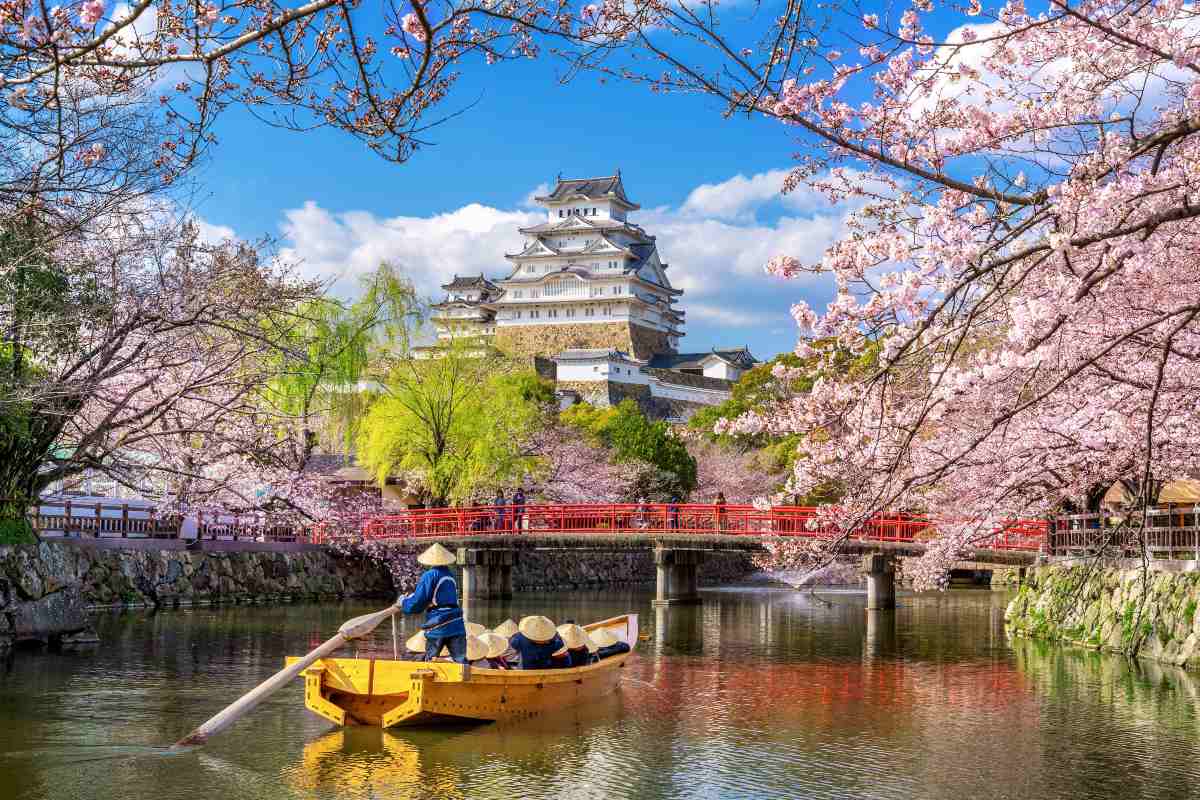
1027, 279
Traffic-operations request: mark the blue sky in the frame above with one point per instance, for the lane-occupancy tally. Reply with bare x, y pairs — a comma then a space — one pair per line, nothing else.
708, 186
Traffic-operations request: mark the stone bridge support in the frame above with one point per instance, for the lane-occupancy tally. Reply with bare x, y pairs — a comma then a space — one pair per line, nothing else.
881, 581
486, 573
677, 576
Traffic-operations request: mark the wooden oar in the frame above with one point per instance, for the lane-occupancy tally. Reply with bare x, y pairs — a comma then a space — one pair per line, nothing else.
351, 629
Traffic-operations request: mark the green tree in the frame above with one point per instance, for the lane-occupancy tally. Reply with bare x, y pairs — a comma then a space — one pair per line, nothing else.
670, 470
461, 423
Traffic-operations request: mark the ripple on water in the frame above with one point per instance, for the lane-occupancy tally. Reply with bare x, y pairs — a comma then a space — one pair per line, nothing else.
764, 693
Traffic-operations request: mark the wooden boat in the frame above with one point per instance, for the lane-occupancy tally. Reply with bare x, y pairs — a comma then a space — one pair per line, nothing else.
383, 692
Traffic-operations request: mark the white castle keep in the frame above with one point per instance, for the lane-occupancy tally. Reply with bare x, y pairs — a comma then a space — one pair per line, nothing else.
588, 298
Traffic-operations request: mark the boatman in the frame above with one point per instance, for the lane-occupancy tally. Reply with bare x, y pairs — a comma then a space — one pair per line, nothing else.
437, 596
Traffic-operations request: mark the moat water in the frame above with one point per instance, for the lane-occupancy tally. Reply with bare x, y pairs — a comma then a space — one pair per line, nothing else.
759, 693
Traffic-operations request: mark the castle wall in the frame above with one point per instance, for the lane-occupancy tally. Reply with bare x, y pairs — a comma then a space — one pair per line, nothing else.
550, 340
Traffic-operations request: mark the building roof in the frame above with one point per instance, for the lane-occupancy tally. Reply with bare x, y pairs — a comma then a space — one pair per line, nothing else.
595, 354
578, 224
739, 357
674, 378
469, 282
608, 187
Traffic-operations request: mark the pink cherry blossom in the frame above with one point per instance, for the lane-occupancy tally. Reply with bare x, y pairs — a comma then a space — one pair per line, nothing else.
91, 12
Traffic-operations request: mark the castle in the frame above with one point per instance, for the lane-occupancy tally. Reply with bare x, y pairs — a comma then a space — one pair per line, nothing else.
587, 297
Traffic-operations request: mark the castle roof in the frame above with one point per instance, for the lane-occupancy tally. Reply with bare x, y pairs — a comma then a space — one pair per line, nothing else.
586, 224
595, 354
469, 282
738, 356
608, 187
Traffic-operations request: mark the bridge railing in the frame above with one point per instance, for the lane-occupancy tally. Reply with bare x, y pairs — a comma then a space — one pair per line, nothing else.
671, 519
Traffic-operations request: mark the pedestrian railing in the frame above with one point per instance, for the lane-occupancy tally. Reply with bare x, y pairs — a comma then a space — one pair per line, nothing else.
1169, 532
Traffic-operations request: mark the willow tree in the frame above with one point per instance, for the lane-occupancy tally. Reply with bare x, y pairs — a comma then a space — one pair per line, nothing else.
461, 423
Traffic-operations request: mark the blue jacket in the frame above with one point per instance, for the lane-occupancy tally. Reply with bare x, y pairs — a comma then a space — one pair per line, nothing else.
437, 595
613, 650
535, 655
579, 657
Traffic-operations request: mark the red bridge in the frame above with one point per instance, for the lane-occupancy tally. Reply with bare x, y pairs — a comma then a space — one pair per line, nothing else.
674, 521
491, 538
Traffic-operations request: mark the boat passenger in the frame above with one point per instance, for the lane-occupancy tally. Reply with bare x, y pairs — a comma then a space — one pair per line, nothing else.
536, 641
575, 639
497, 647
506, 629
475, 629
607, 643
476, 652
437, 595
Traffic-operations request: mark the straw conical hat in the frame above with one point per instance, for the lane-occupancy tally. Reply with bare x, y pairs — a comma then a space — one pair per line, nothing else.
417, 644
475, 629
496, 644
436, 556
572, 635
476, 648
591, 645
603, 637
537, 629
506, 628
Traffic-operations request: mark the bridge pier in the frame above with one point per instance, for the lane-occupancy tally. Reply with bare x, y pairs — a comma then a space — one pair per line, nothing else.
881, 581
881, 634
486, 573
676, 576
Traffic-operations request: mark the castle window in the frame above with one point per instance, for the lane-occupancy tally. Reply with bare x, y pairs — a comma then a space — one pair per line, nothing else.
535, 293
518, 315
519, 293
560, 213
593, 212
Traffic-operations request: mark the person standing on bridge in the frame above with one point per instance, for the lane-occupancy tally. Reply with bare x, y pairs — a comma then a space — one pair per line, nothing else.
518, 504
500, 503
437, 596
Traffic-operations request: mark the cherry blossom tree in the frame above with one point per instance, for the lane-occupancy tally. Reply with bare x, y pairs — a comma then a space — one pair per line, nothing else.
574, 470
1024, 250
741, 475
144, 359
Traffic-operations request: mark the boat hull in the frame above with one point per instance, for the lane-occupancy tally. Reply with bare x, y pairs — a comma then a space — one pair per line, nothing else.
387, 692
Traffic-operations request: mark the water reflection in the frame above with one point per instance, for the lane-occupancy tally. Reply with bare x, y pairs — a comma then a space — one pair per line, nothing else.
755, 693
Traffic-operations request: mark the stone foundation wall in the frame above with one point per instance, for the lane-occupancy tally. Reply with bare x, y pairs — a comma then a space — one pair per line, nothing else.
46, 589
603, 394
593, 393
1155, 616
550, 340
648, 342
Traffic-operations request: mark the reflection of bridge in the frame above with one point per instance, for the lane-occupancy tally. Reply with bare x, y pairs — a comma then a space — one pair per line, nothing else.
490, 539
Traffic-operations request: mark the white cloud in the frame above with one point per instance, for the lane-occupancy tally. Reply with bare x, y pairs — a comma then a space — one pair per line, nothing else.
341, 247
715, 247
739, 197
213, 234
530, 200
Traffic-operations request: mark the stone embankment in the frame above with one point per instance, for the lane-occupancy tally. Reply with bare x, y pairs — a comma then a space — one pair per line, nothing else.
47, 589
1153, 615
